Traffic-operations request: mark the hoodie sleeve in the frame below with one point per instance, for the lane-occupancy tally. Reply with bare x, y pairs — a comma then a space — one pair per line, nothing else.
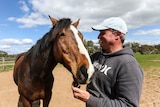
127, 88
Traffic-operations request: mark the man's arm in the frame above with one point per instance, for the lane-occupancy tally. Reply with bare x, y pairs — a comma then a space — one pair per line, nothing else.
128, 90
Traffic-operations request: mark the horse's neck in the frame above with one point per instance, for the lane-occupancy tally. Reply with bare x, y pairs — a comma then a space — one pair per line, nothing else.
49, 59
44, 59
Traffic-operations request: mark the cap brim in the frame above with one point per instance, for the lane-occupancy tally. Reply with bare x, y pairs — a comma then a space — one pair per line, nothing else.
99, 27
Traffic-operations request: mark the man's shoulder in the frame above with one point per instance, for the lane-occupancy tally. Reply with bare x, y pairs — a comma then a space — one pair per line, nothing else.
95, 56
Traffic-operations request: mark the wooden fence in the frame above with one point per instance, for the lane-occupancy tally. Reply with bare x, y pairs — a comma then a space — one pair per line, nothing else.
6, 63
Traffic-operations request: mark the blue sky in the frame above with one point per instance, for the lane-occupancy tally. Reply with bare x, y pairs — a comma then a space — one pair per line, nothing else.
23, 22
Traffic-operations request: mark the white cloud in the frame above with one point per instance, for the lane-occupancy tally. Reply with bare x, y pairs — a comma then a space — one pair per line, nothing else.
4, 47
24, 7
27, 41
136, 13
144, 15
143, 42
32, 20
11, 19
153, 32
14, 46
12, 41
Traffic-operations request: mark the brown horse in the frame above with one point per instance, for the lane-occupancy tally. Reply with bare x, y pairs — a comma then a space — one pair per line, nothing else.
33, 69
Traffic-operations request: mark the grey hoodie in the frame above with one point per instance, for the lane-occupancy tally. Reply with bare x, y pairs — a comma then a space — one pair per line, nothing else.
117, 81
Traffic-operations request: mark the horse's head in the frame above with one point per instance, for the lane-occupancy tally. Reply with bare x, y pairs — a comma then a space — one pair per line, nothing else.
70, 50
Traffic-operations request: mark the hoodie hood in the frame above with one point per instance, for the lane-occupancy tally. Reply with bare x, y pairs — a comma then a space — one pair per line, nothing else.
125, 50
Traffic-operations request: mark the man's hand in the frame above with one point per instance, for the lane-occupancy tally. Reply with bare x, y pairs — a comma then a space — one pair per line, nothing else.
80, 94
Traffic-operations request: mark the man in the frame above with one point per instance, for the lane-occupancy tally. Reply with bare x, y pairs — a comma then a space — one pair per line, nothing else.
117, 81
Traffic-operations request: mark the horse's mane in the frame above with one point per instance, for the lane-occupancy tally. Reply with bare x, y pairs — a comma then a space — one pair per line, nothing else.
49, 37
19, 55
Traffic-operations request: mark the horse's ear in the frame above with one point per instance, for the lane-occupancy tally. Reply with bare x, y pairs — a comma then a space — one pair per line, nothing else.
75, 24
53, 20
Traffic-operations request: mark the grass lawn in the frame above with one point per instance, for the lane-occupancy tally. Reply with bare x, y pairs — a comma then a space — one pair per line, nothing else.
150, 63
150, 60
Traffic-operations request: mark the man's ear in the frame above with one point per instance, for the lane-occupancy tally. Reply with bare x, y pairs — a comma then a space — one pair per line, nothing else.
118, 35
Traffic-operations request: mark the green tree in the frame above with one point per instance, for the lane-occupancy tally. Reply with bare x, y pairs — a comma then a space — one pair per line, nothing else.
158, 48
135, 47
3, 54
91, 46
148, 49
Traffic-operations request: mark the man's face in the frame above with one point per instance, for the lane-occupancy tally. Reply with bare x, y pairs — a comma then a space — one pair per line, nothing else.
106, 39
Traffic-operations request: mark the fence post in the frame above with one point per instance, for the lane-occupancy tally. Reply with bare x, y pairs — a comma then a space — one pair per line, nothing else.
3, 62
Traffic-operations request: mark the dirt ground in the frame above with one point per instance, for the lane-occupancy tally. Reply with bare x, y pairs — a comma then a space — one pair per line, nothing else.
62, 93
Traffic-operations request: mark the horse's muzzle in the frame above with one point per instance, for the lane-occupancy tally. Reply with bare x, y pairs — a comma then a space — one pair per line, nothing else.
82, 74
81, 77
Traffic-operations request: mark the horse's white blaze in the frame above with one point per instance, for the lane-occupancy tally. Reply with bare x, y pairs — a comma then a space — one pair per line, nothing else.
83, 50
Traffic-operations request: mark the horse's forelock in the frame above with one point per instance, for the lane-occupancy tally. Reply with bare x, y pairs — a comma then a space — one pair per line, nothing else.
62, 24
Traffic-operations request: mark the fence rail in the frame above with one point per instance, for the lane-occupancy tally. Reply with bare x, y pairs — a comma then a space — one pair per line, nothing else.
6, 63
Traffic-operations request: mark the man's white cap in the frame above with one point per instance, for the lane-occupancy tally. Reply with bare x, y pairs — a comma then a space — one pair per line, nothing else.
115, 23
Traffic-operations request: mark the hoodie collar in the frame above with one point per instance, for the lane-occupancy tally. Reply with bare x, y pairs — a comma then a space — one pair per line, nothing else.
125, 50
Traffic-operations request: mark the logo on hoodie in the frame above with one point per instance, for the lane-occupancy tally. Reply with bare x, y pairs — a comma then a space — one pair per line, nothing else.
102, 68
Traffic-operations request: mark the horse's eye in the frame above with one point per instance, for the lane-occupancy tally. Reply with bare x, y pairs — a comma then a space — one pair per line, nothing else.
61, 34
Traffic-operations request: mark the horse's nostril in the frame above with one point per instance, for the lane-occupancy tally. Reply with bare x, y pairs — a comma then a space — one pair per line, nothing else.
75, 84
83, 71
